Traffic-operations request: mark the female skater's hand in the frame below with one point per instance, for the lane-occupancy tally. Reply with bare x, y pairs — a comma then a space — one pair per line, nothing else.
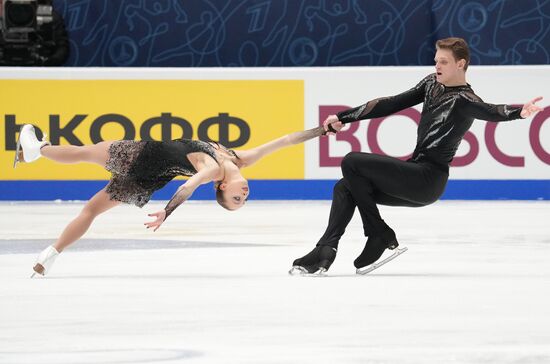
160, 216
530, 108
336, 124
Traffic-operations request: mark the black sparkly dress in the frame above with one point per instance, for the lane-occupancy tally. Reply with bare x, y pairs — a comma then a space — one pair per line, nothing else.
139, 168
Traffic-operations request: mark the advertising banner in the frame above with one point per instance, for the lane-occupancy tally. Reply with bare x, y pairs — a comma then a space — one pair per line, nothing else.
236, 113
511, 150
245, 107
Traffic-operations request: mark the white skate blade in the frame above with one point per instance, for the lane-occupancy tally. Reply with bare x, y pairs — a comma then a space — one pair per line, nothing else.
370, 268
302, 272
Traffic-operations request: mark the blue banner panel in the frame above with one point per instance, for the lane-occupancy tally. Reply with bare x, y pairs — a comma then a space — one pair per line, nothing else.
275, 190
305, 33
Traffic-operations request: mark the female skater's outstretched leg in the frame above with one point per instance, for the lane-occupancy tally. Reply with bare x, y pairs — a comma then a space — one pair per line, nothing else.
29, 149
71, 154
32, 149
98, 204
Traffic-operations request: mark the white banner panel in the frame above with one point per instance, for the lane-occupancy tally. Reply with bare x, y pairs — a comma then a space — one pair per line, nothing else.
517, 149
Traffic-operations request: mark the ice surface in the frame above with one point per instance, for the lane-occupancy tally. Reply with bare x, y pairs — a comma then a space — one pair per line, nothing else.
211, 286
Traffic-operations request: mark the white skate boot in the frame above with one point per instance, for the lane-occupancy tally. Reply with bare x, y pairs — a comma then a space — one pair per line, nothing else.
45, 261
29, 144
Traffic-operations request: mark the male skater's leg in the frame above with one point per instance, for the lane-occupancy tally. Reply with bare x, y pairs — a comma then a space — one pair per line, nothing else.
373, 177
341, 212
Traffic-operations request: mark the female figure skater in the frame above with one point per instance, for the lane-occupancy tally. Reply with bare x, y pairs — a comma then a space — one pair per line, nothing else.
141, 167
450, 106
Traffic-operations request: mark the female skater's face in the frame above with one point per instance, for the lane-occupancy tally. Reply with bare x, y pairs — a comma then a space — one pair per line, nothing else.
447, 68
235, 193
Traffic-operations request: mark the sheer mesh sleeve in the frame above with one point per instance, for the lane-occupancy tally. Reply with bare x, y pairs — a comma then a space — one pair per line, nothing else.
181, 195
491, 112
385, 106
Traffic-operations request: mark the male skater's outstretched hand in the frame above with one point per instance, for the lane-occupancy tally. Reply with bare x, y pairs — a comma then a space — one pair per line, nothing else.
530, 108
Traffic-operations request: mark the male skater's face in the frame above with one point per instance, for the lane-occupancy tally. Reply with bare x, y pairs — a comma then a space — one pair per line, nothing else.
447, 68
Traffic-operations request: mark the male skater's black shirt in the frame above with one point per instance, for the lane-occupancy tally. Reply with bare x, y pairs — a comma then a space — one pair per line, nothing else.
447, 114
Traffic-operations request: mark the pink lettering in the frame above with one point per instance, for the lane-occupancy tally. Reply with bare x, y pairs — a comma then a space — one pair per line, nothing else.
325, 160
472, 154
372, 131
534, 135
495, 151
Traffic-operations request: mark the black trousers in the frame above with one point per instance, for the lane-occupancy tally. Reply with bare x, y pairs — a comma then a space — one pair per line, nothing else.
371, 179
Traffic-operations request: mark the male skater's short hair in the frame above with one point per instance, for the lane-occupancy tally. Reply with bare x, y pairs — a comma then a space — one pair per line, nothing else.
458, 46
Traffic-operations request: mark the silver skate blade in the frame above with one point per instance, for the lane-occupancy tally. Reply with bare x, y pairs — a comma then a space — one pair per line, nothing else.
36, 274
17, 149
370, 268
301, 271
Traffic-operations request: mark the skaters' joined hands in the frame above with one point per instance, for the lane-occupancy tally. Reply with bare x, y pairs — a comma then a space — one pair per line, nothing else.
334, 122
530, 108
159, 219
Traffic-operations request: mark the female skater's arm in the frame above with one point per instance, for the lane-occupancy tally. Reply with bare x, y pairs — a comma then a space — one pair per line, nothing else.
491, 112
251, 156
182, 194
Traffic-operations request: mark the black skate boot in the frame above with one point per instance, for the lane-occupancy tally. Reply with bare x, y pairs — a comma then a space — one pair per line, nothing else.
316, 262
373, 250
